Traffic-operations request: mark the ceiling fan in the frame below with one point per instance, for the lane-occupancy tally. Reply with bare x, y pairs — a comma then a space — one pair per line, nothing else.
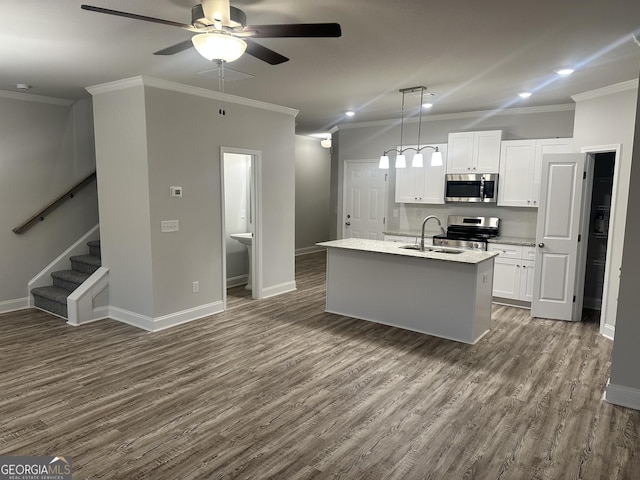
222, 33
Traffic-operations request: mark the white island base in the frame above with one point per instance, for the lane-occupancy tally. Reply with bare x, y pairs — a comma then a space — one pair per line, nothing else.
436, 296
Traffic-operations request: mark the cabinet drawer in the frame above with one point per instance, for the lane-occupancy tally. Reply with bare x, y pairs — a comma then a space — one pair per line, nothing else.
506, 251
529, 253
397, 239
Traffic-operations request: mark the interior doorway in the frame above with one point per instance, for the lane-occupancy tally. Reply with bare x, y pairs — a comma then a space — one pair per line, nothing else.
241, 225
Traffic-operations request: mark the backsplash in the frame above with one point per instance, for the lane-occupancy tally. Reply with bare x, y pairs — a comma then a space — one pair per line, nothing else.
514, 222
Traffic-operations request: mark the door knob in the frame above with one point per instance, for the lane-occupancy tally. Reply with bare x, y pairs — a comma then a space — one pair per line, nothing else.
541, 244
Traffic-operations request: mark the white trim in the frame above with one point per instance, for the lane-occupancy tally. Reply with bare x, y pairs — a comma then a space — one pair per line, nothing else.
278, 289
28, 97
608, 90
188, 89
608, 331
80, 302
312, 249
237, 281
14, 304
456, 116
166, 321
623, 396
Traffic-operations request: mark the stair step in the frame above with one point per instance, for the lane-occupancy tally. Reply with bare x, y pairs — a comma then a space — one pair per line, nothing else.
94, 248
69, 279
85, 263
52, 299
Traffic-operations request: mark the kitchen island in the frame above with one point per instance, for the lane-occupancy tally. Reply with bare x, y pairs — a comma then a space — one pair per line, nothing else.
441, 291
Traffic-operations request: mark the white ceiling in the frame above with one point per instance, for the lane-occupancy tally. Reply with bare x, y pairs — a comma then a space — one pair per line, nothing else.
473, 54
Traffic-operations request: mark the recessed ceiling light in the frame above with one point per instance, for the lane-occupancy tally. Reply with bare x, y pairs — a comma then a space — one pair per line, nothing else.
525, 94
564, 72
427, 105
350, 113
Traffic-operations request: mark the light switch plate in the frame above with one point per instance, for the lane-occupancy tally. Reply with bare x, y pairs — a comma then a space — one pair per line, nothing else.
168, 226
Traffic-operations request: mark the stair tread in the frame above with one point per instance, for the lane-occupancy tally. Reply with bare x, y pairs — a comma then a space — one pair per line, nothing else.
87, 259
55, 294
71, 276
94, 243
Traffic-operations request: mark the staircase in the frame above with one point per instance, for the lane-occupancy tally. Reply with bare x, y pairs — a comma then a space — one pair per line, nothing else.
53, 298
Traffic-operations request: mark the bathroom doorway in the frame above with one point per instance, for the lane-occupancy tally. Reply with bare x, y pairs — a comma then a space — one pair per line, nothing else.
241, 233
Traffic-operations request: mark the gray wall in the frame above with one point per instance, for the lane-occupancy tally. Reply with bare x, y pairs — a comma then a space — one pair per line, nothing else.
154, 136
313, 176
46, 148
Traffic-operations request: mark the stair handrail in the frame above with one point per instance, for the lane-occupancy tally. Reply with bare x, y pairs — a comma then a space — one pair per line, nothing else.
40, 216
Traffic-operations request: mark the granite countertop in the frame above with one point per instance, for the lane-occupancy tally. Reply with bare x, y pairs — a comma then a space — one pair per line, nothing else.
379, 246
525, 242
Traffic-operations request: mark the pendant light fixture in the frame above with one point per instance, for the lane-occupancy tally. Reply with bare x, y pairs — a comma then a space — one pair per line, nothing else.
418, 160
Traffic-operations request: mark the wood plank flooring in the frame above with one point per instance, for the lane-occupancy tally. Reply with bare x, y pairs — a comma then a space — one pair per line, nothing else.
280, 389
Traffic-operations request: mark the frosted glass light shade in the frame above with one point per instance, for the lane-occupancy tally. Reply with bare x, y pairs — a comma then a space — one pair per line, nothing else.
417, 160
384, 162
436, 159
219, 46
401, 161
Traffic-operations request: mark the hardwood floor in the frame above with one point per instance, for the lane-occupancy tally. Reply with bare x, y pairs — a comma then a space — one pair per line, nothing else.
280, 389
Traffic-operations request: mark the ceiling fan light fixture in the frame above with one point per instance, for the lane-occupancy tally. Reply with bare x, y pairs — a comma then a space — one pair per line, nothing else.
219, 46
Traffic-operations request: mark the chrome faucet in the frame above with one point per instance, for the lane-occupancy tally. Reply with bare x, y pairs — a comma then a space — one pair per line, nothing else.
424, 222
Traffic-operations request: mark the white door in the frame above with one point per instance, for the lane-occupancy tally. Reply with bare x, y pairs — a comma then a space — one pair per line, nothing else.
365, 194
557, 236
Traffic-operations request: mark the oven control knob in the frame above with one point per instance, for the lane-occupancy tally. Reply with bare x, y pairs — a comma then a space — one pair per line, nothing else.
475, 245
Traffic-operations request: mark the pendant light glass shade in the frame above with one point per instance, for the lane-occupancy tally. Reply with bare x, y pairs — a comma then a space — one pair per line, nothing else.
436, 158
219, 46
417, 160
401, 161
384, 162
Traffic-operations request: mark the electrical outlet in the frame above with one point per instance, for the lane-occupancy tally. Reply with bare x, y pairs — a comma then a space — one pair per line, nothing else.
195, 287
169, 226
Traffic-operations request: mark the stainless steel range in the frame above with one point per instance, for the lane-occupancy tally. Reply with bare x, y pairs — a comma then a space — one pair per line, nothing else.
468, 232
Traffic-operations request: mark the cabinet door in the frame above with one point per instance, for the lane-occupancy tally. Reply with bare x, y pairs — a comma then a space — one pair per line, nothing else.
544, 146
486, 151
515, 186
433, 177
526, 280
506, 278
459, 156
408, 185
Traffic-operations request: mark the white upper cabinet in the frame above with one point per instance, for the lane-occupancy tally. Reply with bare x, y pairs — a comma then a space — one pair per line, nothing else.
520, 169
474, 152
422, 184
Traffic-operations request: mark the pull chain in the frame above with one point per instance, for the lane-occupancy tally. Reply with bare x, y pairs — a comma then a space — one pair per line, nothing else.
221, 111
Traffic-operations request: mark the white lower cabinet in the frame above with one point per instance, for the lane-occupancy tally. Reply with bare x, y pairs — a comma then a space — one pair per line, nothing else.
513, 271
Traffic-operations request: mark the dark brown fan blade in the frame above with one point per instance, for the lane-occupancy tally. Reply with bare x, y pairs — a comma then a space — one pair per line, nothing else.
91, 8
263, 53
295, 30
177, 48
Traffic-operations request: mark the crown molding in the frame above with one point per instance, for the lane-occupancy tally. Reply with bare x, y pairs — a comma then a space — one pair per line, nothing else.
608, 90
143, 81
462, 115
28, 97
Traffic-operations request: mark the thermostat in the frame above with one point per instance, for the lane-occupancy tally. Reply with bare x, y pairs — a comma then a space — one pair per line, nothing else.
176, 191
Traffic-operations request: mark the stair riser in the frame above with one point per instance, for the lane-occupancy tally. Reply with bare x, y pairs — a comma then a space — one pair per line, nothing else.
83, 267
70, 286
50, 306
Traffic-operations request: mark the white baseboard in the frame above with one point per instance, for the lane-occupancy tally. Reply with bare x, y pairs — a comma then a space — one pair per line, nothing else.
166, 321
623, 396
15, 304
237, 281
312, 249
278, 289
608, 331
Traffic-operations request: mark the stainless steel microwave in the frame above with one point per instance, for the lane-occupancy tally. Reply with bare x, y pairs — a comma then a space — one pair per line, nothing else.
472, 187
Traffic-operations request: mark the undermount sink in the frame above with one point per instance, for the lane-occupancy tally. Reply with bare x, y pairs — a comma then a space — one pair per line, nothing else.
244, 238
431, 249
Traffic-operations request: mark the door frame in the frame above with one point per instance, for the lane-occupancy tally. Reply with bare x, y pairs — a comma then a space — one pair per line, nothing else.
256, 208
345, 192
590, 151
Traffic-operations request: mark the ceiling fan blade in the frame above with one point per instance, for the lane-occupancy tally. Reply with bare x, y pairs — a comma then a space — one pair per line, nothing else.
295, 30
263, 53
138, 17
177, 48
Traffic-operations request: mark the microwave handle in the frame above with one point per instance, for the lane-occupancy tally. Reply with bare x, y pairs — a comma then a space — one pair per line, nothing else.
482, 188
